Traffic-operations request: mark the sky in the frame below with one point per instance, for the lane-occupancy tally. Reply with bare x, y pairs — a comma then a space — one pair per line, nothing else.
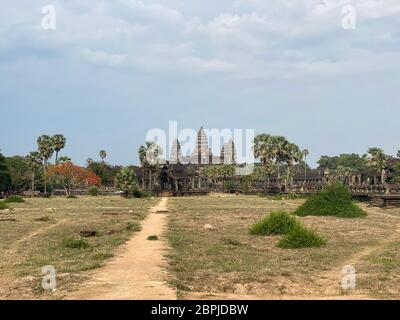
111, 71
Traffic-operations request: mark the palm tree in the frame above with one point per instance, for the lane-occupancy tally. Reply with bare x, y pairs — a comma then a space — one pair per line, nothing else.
306, 152
46, 150
398, 154
103, 155
266, 149
279, 144
59, 142
377, 160
291, 153
149, 158
89, 161
64, 160
33, 161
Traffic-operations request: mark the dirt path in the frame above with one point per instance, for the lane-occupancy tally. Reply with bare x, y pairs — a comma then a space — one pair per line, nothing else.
137, 270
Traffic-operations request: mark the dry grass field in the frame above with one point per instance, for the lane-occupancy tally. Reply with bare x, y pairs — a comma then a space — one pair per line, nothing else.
45, 232
226, 262
222, 261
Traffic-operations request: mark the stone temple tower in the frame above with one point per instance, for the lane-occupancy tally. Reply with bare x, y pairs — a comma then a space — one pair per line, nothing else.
201, 153
176, 153
228, 153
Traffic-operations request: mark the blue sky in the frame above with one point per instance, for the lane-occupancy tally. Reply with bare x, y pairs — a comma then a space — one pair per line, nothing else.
112, 70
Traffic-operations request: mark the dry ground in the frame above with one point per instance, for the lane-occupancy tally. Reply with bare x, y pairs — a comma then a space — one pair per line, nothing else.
38, 238
138, 269
227, 262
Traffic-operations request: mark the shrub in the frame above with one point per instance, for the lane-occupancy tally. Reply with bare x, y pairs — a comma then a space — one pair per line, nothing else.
335, 200
73, 243
300, 237
133, 226
3, 205
14, 199
71, 196
152, 237
140, 194
278, 222
126, 181
94, 191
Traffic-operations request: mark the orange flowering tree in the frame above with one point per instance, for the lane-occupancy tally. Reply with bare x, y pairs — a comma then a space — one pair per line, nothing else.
70, 176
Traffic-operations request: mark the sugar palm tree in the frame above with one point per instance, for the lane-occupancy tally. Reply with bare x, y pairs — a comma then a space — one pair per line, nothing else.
46, 150
59, 142
279, 144
306, 152
33, 161
149, 158
377, 161
291, 154
103, 155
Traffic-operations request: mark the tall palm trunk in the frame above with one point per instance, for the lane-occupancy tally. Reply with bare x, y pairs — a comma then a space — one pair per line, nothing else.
288, 179
33, 182
305, 168
44, 178
150, 181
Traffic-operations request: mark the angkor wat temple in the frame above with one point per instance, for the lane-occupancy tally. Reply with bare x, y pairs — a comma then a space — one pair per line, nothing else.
182, 175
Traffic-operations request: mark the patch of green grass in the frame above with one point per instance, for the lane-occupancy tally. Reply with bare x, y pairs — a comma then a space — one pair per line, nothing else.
335, 200
100, 256
278, 222
152, 237
3, 205
133, 226
71, 196
300, 237
14, 199
231, 242
72, 243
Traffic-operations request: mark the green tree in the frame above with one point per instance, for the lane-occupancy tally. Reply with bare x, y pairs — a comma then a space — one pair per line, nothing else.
149, 153
33, 161
19, 172
291, 154
103, 155
126, 181
59, 142
5, 178
306, 152
377, 161
46, 150
106, 172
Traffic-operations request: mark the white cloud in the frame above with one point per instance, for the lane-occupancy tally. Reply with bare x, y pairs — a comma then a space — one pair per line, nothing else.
103, 58
248, 39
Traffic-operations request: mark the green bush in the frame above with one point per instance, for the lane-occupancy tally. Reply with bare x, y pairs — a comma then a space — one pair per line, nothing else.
3, 205
71, 196
140, 194
278, 222
152, 237
300, 237
94, 191
73, 243
14, 199
335, 200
